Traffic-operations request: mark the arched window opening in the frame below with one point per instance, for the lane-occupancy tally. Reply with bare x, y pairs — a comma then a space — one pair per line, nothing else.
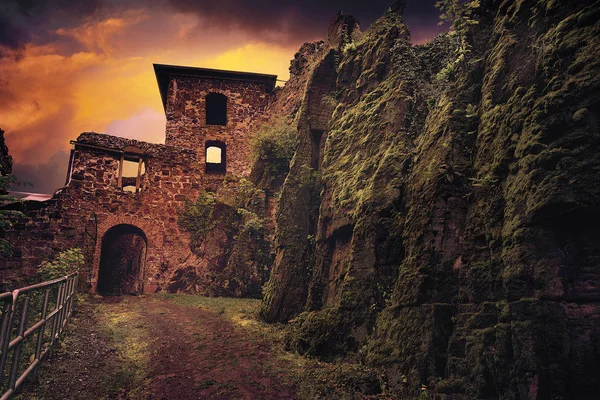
216, 109
215, 157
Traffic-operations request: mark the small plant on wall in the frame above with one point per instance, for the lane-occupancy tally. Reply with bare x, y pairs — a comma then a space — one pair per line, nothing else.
196, 216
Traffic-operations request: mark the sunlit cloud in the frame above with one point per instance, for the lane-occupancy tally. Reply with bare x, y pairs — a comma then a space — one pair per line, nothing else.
67, 67
253, 57
104, 37
146, 124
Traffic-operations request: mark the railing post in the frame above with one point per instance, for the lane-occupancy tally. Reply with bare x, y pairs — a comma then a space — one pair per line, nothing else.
65, 309
75, 284
40, 338
5, 330
56, 317
12, 379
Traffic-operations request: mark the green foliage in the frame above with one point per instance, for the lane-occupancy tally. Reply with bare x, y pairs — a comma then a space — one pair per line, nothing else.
460, 16
196, 216
471, 111
67, 262
457, 13
245, 191
6, 216
486, 182
275, 143
236, 193
349, 48
252, 223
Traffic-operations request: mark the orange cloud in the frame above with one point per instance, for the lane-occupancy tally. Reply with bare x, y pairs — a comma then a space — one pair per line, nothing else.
253, 57
103, 36
49, 97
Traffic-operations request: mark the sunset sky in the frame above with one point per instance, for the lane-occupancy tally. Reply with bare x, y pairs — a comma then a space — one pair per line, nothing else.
69, 66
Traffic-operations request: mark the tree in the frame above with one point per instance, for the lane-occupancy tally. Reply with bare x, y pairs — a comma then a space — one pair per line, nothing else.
7, 216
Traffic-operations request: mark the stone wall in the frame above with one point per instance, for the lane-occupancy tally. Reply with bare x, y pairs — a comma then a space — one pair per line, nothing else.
80, 213
186, 117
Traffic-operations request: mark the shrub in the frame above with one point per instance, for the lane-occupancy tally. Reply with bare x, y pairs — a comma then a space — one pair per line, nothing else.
6, 216
275, 143
67, 262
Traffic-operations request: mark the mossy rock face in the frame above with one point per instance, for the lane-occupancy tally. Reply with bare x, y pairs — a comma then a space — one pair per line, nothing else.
286, 292
322, 333
231, 255
456, 221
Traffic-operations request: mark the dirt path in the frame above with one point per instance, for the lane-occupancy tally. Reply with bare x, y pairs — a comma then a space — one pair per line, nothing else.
198, 354
152, 347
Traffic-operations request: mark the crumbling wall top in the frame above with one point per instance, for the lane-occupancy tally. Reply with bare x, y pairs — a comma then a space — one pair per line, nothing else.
117, 144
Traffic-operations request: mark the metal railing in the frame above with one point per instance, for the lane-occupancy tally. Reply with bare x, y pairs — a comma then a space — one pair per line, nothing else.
24, 314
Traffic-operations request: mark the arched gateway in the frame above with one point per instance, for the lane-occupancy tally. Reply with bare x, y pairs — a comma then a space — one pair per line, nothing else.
122, 260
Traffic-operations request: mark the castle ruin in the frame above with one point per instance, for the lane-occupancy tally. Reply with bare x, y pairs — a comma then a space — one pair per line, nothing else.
122, 196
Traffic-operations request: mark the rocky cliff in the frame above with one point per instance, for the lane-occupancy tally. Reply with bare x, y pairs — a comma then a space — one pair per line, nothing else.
440, 217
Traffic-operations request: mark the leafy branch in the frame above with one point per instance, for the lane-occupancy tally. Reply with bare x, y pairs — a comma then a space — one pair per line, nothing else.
460, 16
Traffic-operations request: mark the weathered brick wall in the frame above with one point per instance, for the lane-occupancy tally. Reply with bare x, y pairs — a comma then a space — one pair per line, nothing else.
186, 117
171, 176
92, 203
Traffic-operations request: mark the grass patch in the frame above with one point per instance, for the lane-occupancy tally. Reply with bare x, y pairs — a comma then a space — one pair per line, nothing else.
240, 311
129, 336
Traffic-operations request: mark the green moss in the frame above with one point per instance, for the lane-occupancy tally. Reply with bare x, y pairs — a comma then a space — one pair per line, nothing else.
362, 147
580, 114
196, 217
324, 333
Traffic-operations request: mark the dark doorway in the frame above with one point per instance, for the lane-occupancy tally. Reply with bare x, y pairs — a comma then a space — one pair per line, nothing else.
122, 260
216, 109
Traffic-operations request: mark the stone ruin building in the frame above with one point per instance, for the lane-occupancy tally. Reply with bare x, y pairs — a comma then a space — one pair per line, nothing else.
121, 196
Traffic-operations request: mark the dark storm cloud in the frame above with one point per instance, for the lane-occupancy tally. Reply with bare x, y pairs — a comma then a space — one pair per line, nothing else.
23, 21
284, 21
42, 178
302, 20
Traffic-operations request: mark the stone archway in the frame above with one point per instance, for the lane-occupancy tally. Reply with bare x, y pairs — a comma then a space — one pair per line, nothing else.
122, 260
153, 230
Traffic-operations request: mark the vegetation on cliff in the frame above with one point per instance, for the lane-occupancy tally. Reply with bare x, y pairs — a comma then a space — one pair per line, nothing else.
274, 145
196, 216
456, 230
229, 242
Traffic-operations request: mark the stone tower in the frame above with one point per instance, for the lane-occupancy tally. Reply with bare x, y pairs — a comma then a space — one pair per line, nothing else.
212, 111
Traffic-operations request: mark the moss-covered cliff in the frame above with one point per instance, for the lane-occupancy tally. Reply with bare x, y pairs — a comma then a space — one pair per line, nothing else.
444, 226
